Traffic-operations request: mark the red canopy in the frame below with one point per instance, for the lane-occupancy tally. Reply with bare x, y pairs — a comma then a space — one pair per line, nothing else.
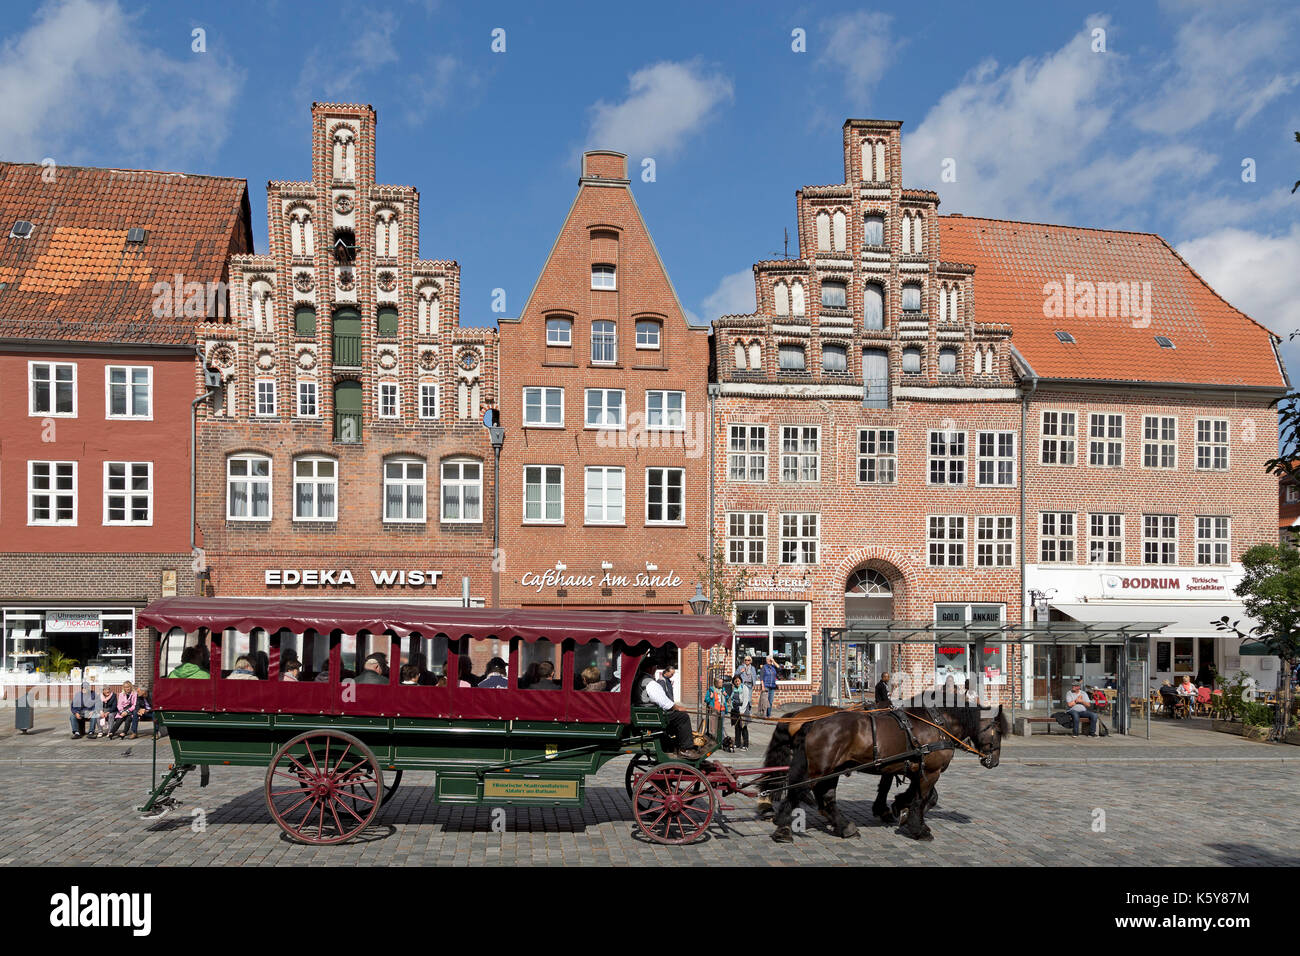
352, 617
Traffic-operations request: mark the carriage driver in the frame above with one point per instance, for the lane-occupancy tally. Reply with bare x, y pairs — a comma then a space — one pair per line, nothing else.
647, 691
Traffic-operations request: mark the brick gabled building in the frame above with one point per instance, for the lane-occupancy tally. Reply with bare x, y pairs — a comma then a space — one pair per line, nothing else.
867, 460
103, 275
343, 453
604, 395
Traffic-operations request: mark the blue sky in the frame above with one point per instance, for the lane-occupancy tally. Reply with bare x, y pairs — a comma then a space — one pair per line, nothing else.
1150, 134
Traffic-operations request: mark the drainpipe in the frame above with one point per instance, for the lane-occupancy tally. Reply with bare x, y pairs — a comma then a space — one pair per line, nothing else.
1024, 430
209, 392
712, 389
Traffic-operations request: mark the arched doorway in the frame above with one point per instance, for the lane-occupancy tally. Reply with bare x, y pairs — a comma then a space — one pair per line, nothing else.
869, 595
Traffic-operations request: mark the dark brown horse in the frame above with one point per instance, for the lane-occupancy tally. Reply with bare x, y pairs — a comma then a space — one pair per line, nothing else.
821, 744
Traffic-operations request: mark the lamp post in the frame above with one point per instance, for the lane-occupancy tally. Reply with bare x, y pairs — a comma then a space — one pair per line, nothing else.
699, 604
497, 435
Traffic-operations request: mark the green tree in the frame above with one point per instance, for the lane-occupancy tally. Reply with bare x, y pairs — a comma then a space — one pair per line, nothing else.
1270, 591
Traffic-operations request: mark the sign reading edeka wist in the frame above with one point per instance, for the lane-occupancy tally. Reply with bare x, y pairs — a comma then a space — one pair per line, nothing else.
344, 578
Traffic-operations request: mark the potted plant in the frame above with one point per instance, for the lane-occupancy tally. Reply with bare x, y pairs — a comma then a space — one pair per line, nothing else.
58, 664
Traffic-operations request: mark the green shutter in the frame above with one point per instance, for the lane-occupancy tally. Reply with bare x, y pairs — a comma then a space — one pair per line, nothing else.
347, 411
347, 338
304, 320
387, 320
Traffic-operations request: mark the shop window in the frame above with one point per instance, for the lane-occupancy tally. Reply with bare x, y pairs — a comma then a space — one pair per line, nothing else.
781, 632
539, 665
964, 663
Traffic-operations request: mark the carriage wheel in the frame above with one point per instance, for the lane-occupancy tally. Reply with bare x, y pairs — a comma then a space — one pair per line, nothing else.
324, 787
635, 768
390, 788
673, 804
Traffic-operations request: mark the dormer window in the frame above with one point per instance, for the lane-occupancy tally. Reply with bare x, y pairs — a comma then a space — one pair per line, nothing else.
1164, 342
834, 295
602, 277
22, 230
912, 297
136, 236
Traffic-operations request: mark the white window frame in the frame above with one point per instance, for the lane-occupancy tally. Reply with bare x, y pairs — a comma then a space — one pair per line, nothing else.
605, 506
395, 390
1106, 539
613, 344
664, 411
658, 334
1160, 443
664, 503
950, 542
995, 460
308, 385
1058, 439
251, 480
801, 540
1160, 540
1212, 445
54, 391
604, 269
604, 410
995, 534
750, 539
567, 325
258, 412
147, 415
543, 392
1107, 440
542, 485
315, 481
460, 483
748, 634
1057, 537
801, 456
127, 494
1213, 541
404, 482
436, 387
750, 435
948, 459
878, 455
52, 493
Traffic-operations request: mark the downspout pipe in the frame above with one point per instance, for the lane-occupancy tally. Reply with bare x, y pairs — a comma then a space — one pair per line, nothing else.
1024, 457
208, 393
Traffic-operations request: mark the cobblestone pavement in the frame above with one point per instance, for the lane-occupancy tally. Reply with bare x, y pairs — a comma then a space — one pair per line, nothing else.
73, 803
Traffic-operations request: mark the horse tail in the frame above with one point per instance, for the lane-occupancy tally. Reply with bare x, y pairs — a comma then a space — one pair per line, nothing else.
779, 751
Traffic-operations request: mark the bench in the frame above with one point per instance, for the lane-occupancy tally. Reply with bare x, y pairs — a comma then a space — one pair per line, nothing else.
1084, 722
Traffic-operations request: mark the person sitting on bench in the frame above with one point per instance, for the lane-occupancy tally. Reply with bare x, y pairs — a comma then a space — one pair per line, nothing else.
1079, 704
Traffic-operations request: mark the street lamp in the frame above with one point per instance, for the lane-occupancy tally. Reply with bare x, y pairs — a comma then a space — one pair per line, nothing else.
699, 604
496, 435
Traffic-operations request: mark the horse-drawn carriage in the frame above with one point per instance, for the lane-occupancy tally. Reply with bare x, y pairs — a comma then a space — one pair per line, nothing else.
509, 707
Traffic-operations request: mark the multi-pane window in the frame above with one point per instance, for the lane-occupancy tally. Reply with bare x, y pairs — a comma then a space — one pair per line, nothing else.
388, 400
1105, 538
800, 459
559, 331
544, 494
647, 334
1212, 443
248, 488
746, 537
1058, 438
1211, 539
877, 456
128, 492
1056, 537
307, 406
1105, 440
544, 407
605, 408
404, 489
430, 407
51, 492
605, 495
995, 454
315, 489
1159, 441
53, 388
1159, 539
462, 490
129, 391
603, 277
603, 343
265, 404
946, 541
994, 537
791, 358
799, 538
665, 410
747, 453
947, 458
664, 495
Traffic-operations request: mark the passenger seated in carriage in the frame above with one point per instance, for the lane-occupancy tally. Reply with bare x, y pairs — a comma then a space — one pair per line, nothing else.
495, 678
646, 691
375, 669
243, 670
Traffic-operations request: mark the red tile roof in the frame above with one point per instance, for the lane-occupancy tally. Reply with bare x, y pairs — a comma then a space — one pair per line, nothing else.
1214, 344
76, 278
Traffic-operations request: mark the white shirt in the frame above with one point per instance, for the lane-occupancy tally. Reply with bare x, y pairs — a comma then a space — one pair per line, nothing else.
1077, 699
657, 696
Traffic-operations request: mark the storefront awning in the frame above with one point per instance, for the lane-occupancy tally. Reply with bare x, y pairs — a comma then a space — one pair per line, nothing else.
1034, 632
1186, 618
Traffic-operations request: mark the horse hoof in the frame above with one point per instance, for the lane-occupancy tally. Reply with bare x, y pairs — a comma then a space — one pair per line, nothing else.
783, 835
849, 832
925, 835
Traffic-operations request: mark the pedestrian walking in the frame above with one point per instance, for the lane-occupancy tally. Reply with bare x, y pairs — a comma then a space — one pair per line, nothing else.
748, 676
740, 700
770, 674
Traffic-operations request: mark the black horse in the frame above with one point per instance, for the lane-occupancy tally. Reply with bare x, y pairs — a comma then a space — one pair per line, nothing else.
820, 744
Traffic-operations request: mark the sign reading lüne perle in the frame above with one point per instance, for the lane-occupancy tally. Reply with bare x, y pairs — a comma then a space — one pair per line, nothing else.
344, 578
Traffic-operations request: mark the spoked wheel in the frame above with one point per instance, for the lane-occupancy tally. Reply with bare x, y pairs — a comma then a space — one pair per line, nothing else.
673, 803
324, 787
390, 788
635, 768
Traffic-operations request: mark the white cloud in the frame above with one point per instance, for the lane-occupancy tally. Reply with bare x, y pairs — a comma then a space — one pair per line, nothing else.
80, 78
733, 296
666, 103
862, 46
327, 76
1256, 273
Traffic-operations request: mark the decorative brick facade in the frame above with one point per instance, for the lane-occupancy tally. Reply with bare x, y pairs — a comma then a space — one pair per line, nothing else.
348, 383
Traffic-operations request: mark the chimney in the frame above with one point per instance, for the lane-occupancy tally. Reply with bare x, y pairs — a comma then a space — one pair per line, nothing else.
604, 164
